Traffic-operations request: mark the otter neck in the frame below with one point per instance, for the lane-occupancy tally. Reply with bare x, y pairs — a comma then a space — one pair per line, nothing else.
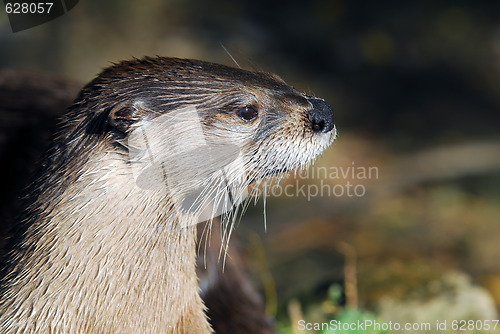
104, 236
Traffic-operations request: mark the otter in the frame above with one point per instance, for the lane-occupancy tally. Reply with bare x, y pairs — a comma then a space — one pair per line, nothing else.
30, 104
150, 148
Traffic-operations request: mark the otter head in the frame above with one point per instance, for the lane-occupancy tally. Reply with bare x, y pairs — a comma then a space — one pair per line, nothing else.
206, 131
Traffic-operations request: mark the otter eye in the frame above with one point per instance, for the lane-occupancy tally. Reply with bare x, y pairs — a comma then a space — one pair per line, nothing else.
248, 113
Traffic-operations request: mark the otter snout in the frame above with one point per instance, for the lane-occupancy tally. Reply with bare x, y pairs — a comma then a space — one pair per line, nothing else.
321, 116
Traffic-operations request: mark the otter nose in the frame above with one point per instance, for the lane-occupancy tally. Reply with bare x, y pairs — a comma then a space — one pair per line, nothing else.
321, 116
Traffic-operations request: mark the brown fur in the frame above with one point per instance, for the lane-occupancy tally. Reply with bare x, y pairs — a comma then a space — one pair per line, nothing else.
93, 252
226, 288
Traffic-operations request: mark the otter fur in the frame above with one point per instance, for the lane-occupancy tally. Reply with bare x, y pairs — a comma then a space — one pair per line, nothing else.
95, 253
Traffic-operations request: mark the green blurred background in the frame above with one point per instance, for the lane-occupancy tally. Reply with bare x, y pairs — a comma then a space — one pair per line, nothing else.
416, 93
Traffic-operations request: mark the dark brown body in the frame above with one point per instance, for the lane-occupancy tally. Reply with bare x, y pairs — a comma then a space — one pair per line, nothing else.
92, 254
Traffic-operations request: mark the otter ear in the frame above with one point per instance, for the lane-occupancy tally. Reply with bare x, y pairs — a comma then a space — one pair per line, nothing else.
124, 114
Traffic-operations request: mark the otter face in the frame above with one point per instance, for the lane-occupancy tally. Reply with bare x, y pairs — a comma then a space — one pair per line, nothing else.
276, 128
207, 131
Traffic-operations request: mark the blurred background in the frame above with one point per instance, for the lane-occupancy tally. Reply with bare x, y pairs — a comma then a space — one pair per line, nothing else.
416, 93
